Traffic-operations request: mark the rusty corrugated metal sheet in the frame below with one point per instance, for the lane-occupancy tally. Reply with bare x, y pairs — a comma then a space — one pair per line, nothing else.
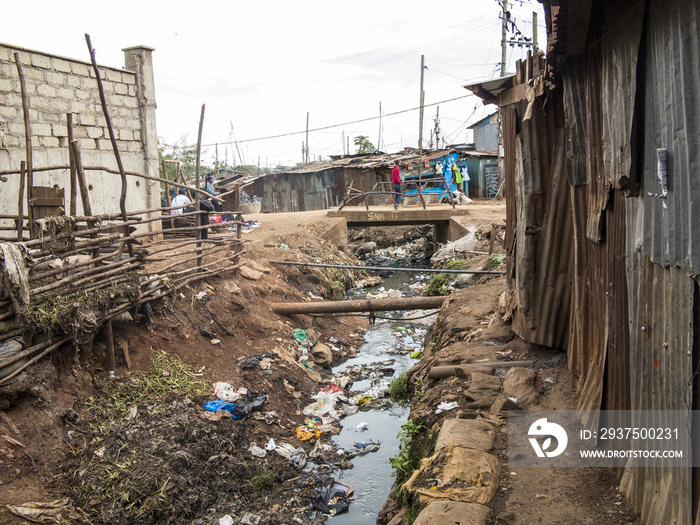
667, 230
599, 345
622, 29
509, 125
661, 339
539, 277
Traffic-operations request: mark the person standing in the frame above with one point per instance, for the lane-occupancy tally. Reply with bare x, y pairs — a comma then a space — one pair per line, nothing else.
209, 188
396, 183
180, 200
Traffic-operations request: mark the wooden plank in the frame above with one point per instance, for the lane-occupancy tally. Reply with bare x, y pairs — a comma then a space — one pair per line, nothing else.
48, 201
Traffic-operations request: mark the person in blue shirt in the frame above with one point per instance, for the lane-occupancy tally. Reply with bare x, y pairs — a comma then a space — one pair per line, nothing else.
209, 188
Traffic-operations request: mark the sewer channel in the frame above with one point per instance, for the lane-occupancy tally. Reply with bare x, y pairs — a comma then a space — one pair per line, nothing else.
387, 345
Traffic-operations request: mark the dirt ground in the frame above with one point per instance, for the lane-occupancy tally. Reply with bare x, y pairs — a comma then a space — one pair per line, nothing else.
200, 463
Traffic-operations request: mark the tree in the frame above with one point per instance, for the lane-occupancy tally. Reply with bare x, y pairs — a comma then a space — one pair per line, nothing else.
364, 145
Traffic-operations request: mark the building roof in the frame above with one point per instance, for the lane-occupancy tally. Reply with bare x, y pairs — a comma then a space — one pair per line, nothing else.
489, 89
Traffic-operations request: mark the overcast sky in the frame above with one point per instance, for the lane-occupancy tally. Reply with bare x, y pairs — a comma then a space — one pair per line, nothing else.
260, 66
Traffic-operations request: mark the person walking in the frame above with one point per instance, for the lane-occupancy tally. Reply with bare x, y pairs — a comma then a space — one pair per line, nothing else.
396, 183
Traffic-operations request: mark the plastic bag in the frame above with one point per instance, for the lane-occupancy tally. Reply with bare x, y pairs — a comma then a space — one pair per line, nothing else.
225, 392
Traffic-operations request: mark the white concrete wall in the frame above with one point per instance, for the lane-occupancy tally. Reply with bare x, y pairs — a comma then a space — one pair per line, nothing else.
57, 86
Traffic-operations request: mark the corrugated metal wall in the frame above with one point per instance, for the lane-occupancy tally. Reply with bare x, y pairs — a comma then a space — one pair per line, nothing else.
288, 192
541, 245
667, 230
661, 339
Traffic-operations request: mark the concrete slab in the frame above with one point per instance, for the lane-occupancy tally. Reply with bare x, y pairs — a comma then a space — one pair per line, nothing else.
453, 513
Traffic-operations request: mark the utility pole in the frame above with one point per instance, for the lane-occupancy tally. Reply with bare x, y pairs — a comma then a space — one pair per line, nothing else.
504, 35
342, 141
347, 138
420, 118
437, 129
303, 153
307, 136
534, 32
379, 138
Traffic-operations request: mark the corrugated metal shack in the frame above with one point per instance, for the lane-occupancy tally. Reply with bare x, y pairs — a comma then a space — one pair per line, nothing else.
602, 257
321, 185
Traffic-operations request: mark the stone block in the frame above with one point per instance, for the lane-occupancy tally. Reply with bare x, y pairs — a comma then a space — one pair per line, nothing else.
65, 93
50, 117
132, 91
453, 513
87, 144
41, 61
131, 102
5, 53
73, 81
135, 146
136, 134
61, 65
470, 433
81, 94
125, 134
114, 75
16, 128
128, 77
33, 75
121, 89
108, 87
94, 132
7, 84
86, 119
104, 144
8, 113
80, 69
42, 130
60, 105
55, 79
116, 100
49, 142
59, 130
77, 106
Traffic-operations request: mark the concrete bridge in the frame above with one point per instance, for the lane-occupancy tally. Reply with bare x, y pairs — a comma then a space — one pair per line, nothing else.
445, 219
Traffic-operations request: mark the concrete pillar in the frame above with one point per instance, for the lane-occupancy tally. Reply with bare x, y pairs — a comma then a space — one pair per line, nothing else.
139, 59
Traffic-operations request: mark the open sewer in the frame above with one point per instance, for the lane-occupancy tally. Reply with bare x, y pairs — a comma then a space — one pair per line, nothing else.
387, 347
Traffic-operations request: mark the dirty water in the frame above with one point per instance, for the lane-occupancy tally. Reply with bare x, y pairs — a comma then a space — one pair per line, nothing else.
386, 343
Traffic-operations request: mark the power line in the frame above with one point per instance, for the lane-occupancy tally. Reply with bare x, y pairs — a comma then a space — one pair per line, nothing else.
325, 127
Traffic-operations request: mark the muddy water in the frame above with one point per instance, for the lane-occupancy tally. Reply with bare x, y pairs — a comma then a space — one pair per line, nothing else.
372, 475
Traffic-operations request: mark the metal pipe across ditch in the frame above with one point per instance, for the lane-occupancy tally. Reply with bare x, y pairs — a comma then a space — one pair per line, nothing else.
387, 268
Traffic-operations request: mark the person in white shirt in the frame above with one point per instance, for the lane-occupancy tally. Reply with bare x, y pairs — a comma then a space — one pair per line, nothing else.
180, 200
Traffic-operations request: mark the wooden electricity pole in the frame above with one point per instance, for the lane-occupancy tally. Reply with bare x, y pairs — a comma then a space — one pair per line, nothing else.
504, 36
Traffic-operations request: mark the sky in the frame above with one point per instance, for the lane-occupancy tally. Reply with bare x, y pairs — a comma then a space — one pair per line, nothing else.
260, 66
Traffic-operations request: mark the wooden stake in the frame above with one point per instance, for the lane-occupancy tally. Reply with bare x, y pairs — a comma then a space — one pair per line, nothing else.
20, 203
110, 348
112, 138
28, 144
196, 178
73, 175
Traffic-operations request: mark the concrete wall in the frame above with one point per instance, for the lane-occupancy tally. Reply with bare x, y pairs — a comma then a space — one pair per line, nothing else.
57, 86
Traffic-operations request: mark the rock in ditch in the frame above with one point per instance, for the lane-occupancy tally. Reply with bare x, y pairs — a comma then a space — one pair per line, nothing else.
322, 355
